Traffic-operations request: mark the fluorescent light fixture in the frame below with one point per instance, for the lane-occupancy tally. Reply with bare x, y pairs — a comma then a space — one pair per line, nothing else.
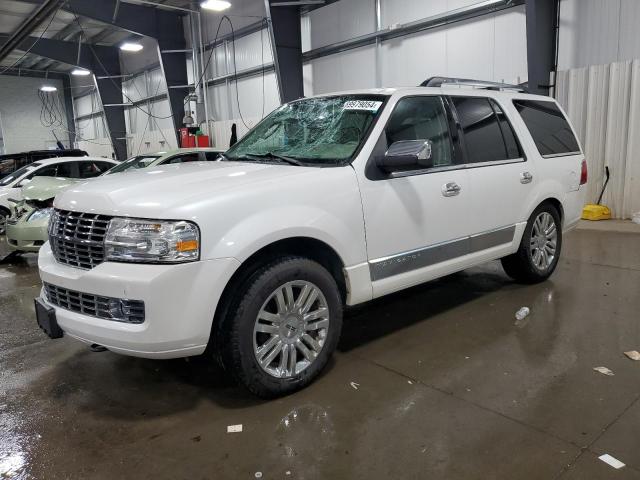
215, 5
48, 88
80, 72
131, 47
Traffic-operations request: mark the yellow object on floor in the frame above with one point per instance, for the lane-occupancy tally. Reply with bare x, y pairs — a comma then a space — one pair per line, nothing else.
596, 212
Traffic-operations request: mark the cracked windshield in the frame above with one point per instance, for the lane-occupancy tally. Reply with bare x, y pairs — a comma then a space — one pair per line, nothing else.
315, 132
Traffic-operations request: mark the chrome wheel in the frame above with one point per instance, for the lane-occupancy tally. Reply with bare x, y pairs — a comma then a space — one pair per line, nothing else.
544, 241
291, 329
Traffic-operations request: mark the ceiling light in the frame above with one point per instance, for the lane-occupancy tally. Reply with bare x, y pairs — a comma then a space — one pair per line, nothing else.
131, 47
215, 5
48, 88
80, 72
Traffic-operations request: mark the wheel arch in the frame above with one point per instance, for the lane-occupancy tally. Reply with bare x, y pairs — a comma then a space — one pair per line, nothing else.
308, 247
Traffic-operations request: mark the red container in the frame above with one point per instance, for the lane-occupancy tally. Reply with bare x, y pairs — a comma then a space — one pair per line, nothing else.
202, 140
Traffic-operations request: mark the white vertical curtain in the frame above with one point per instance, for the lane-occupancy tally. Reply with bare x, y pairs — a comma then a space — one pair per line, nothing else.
603, 102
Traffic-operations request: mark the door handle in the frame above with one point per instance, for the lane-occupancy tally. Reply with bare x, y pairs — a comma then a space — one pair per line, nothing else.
526, 177
451, 189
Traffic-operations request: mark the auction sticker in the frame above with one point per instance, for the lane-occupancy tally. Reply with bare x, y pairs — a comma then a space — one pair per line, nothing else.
368, 105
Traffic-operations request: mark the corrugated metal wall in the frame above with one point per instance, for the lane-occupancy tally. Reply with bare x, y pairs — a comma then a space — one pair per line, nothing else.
603, 102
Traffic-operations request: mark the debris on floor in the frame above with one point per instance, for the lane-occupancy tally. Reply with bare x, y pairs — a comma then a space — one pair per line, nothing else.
354, 385
633, 355
522, 313
258, 475
604, 371
614, 462
234, 428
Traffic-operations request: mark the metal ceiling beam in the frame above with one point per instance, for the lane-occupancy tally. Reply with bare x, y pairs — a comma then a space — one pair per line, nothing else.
48, 8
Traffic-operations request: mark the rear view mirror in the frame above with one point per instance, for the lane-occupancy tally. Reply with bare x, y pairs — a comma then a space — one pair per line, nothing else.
407, 155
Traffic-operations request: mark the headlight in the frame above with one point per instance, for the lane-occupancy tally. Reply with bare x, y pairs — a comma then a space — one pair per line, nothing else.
40, 214
152, 241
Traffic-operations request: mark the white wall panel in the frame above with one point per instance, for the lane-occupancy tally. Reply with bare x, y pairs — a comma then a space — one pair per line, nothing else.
510, 46
589, 32
617, 132
631, 197
251, 96
491, 47
157, 83
597, 101
470, 47
395, 12
341, 21
408, 61
98, 147
344, 71
253, 50
629, 37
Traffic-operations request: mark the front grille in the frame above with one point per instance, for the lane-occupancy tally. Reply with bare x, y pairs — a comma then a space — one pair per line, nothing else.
77, 239
119, 310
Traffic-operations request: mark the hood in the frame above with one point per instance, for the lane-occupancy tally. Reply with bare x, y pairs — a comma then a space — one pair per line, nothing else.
44, 188
162, 191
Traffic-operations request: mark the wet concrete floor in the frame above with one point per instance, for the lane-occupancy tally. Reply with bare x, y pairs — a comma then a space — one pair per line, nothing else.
448, 386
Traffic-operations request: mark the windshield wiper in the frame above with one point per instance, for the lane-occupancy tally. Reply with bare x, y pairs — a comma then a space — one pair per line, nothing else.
271, 155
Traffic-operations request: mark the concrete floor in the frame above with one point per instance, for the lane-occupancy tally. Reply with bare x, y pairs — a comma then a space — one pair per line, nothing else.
448, 386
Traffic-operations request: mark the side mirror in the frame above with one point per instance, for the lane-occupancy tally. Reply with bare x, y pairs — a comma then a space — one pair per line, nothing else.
407, 155
22, 183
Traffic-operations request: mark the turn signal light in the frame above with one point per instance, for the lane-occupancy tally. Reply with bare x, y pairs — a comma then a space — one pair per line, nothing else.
187, 246
583, 173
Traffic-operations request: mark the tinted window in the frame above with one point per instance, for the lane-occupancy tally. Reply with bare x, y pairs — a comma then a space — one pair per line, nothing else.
211, 156
187, 157
422, 118
548, 126
482, 132
92, 169
513, 148
56, 170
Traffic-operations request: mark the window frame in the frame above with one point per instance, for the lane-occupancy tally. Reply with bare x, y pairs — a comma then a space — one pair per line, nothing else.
564, 117
373, 172
507, 161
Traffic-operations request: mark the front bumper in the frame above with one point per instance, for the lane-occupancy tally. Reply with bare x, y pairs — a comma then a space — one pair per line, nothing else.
180, 302
26, 236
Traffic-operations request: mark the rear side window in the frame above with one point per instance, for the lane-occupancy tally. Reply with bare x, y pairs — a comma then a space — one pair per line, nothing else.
487, 133
211, 156
548, 127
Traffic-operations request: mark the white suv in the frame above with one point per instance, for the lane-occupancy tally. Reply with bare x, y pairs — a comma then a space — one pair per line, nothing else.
329, 202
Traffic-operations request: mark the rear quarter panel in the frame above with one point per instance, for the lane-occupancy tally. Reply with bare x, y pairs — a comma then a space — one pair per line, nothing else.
555, 177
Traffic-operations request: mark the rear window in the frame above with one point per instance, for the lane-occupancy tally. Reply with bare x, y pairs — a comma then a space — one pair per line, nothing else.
549, 128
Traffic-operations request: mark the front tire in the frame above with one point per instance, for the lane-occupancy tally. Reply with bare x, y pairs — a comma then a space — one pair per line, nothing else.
539, 251
284, 328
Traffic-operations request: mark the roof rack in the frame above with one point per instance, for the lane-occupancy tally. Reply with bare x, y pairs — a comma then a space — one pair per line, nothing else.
441, 81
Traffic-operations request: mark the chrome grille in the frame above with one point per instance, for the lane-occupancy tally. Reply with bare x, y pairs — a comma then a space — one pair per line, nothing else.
116, 309
77, 238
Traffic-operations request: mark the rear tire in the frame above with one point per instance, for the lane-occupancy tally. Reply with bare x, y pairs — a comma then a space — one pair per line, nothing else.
539, 251
283, 327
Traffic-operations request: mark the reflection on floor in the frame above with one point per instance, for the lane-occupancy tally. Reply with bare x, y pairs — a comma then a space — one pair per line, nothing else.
448, 387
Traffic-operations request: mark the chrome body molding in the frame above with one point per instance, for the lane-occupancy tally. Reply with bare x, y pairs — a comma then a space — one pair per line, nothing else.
433, 254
